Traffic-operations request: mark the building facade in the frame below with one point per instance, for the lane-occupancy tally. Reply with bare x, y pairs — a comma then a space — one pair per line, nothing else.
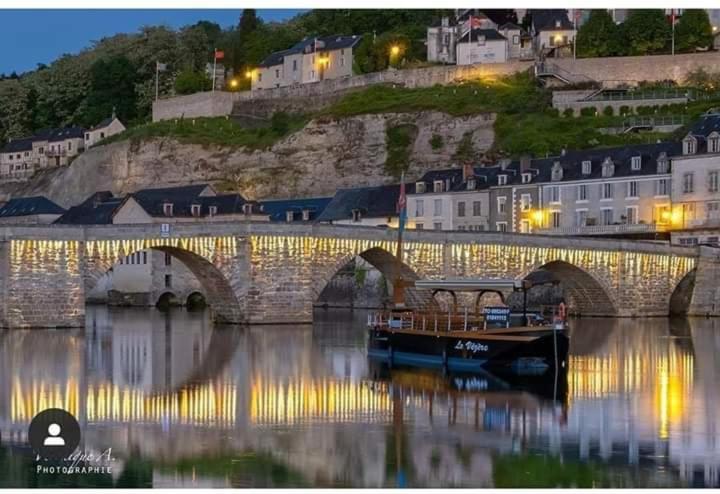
108, 127
696, 183
311, 60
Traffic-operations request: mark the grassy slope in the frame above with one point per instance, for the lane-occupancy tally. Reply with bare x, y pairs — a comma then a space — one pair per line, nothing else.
526, 123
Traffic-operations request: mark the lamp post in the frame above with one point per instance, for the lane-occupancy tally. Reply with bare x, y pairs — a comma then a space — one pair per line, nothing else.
394, 52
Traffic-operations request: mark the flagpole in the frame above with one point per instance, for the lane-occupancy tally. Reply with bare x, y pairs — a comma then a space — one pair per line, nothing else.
672, 20
214, 68
157, 80
399, 285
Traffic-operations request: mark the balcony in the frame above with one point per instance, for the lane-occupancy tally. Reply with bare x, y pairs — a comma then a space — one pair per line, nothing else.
606, 229
59, 153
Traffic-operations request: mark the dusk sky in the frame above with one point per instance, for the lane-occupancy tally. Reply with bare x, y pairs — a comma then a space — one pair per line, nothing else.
29, 37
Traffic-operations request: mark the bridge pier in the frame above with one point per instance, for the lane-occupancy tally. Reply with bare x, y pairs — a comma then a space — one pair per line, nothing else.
705, 299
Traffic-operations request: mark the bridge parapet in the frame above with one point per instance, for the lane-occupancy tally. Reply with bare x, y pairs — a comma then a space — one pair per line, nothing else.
268, 272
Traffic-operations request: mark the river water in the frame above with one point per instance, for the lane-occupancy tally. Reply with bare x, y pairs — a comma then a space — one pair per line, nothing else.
179, 402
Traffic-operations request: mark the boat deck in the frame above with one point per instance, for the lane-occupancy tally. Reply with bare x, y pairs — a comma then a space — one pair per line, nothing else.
505, 334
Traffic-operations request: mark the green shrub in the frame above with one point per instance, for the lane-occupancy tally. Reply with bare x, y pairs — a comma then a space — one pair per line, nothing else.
608, 111
436, 142
625, 110
588, 112
569, 112
399, 142
280, 123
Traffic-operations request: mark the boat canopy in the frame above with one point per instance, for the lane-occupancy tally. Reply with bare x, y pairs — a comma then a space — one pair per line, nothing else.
473, 284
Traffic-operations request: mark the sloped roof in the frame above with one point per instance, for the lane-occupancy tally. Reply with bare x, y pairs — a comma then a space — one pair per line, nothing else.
373, 202
548, 19
98, 209
326, 43
66, 133
16, 145
475, 34
277, 209
103, 123
26, 206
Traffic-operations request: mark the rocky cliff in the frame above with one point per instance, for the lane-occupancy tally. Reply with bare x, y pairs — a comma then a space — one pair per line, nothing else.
325, 155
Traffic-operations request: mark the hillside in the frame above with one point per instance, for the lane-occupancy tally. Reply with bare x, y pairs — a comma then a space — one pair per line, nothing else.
316, 160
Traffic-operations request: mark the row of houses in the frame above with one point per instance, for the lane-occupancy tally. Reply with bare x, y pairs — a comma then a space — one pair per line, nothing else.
472, 37
49, 148
636, 190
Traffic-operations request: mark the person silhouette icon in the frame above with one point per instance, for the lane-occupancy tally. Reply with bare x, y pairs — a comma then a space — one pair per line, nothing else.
53, 438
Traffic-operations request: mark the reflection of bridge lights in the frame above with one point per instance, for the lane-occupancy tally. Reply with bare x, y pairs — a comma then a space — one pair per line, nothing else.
321, 400
26, 403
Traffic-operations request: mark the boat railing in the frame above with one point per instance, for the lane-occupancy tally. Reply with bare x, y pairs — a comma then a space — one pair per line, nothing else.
435, 321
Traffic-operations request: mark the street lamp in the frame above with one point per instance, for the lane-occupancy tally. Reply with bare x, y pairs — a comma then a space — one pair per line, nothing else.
394, 50
249, 74
233, 83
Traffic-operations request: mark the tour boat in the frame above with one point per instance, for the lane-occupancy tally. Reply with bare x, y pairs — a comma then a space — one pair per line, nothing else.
464, 341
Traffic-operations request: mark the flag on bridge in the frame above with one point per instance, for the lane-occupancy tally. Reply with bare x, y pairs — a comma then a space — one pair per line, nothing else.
402, 205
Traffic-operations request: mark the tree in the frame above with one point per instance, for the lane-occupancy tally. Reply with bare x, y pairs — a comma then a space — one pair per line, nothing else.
645, 32
112, 87
599, 36
191, 81
693, 31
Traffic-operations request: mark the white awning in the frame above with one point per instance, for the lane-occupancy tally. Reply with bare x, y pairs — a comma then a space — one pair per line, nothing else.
470, 284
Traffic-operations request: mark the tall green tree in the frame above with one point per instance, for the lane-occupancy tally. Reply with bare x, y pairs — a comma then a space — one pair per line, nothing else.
599, 36
112, 87
693, 31
646, 32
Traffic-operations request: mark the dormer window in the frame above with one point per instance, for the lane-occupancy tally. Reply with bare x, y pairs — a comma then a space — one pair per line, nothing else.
608, 168
635, 163
586, 167
195, 210
689, 145
662, 163
502, 179
212, 210
419, 187
526, 178
306, 215
289, 216
168, 209
714, 142
471, 184
438, 186
556, 173
356, 215
247, 208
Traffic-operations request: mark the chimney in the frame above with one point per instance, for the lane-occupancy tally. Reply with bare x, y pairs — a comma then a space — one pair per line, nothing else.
563, 151
524, 163
467, 171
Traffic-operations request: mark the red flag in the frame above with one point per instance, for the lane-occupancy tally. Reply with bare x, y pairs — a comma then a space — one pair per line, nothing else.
219, 54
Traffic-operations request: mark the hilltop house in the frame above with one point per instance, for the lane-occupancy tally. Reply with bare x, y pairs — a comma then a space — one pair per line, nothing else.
48, 148
108, 127
473, 37
311, 60
552, 31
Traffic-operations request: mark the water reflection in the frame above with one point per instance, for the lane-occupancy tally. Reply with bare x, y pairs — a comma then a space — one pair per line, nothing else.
183, 403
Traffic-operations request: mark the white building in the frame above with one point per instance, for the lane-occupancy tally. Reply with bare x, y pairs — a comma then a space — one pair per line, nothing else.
311, 60
482, 46
108, 127
696, 184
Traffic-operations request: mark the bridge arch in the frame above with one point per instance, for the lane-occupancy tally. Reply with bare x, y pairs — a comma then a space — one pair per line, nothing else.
587, 294
380, 259
219, 292
681, 296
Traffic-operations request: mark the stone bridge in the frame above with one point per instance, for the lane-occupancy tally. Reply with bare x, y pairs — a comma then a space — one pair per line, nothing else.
273, 273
